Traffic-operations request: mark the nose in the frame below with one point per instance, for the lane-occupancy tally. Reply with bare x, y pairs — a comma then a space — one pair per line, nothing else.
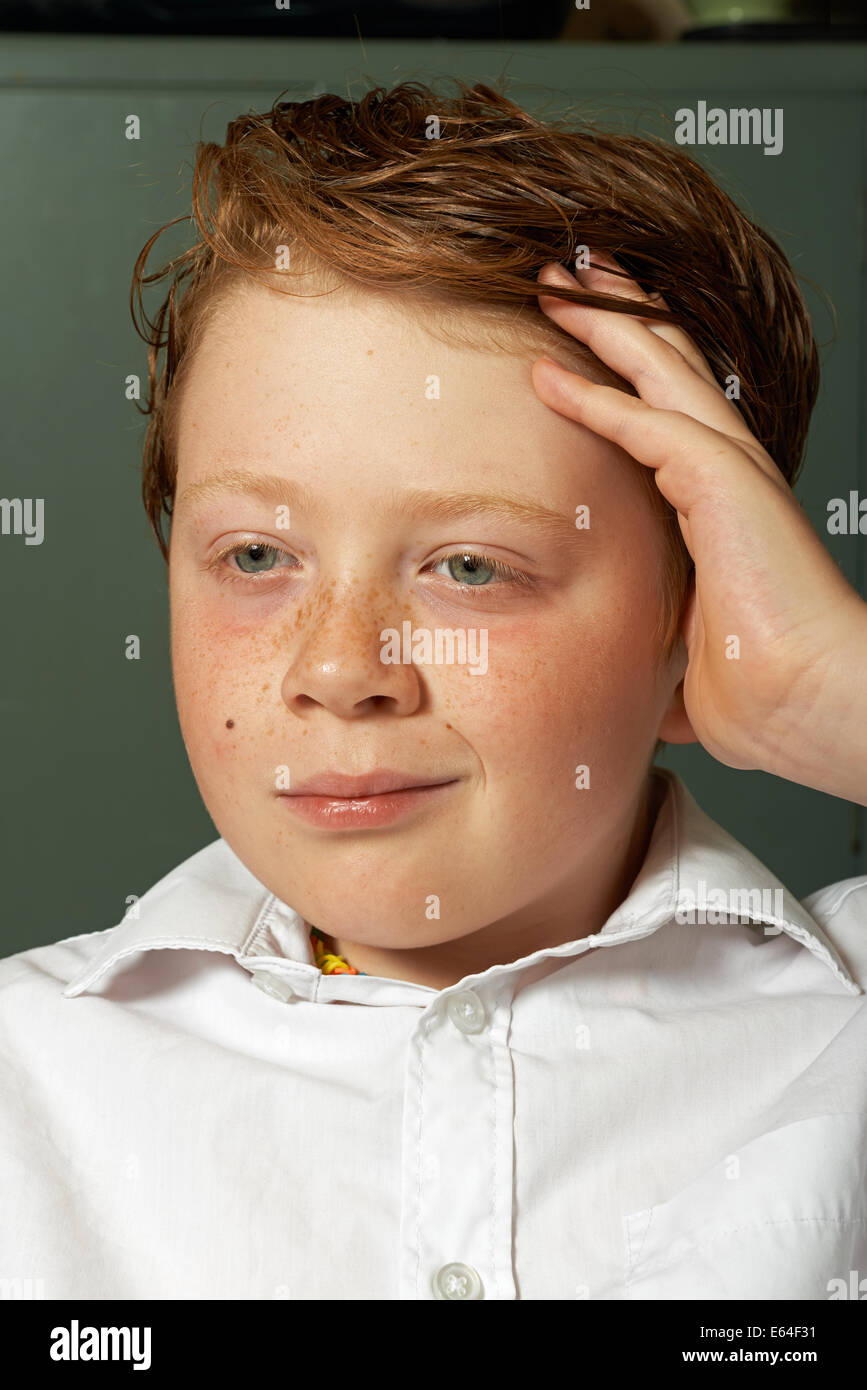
335, 658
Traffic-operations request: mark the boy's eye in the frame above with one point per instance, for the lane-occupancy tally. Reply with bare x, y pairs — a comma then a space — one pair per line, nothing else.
259, 556
468, 569
250, 557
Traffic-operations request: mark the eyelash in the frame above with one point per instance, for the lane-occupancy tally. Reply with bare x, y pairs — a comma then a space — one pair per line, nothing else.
502, 571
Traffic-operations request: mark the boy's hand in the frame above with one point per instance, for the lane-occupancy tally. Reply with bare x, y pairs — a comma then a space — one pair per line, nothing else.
793, 702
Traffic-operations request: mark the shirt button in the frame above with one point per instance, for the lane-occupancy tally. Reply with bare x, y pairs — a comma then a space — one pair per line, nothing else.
466, 1011
457, 1281
274, 985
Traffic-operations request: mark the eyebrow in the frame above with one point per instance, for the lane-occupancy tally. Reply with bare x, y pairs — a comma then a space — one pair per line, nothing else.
416, 503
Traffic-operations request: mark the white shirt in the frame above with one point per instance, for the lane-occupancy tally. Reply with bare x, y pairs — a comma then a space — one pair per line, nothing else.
654, 1111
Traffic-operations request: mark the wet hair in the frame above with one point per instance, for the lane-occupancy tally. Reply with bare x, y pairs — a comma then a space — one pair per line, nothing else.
455, 202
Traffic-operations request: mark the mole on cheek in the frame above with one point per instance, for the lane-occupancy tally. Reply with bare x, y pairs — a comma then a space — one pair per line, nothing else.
230, 723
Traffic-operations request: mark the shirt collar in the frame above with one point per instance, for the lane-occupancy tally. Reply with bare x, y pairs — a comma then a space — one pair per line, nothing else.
212, 902
694, 866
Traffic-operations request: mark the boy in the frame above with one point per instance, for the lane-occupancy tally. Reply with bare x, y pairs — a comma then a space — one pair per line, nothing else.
430, 614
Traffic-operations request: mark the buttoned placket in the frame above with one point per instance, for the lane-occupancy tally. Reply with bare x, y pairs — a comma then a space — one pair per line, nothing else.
457, 1170
457, 1173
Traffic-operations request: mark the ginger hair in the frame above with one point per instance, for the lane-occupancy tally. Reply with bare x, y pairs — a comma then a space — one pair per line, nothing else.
465, 221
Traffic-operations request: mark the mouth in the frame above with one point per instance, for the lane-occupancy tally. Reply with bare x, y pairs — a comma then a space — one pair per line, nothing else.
336, 801
374, 783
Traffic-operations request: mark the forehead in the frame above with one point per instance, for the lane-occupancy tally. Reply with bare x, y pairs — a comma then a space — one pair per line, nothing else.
313, 297
352, 388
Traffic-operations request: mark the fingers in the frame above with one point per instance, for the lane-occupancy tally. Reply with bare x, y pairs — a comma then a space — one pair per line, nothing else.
667, 375
606, 276
695, 455
606, 281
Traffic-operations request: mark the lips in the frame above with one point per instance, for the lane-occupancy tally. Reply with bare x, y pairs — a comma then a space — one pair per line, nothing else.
339, 784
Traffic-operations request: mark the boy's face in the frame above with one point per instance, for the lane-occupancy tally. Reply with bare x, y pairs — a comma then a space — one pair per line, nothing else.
354, 405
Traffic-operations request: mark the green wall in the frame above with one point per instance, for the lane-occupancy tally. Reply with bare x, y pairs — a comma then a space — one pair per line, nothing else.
98, 797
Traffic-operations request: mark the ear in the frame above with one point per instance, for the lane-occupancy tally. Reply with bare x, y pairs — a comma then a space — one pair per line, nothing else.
675, 726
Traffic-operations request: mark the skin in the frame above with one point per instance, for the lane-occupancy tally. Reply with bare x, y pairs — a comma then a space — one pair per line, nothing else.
282, 668
791, 701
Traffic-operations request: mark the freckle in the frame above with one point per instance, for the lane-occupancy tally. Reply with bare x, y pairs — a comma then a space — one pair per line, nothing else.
230, 723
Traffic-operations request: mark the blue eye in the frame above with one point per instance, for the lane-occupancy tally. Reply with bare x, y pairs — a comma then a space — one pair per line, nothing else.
262, 553
472, 570
254, 557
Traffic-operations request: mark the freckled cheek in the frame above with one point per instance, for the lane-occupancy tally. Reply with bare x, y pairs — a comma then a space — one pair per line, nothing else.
532, 677
551, 692
221, 679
